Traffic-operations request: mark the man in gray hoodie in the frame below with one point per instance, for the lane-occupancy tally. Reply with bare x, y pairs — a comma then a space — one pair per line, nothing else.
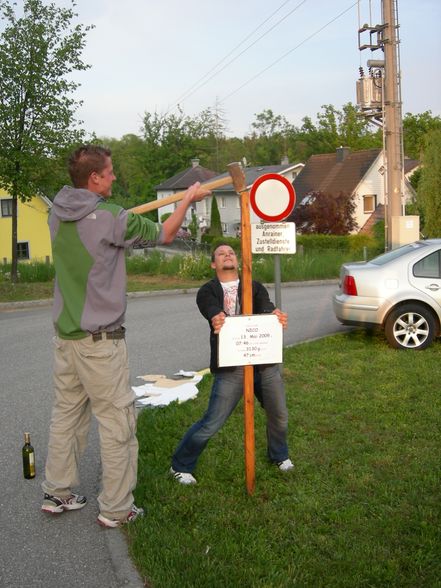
89, 237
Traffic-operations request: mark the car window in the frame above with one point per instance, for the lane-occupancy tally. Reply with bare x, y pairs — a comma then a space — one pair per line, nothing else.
396, 253
428, 267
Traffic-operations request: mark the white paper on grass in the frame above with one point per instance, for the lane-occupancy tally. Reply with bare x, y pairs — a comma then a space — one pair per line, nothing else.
179, 394
185, 374
151, 395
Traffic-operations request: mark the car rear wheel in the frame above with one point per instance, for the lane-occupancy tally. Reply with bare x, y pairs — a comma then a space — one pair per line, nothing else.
410, 326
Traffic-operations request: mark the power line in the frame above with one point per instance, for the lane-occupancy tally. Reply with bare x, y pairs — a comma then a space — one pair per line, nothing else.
213, 73
287, 53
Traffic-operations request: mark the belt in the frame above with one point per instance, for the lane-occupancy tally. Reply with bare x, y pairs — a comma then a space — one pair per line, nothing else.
119, 333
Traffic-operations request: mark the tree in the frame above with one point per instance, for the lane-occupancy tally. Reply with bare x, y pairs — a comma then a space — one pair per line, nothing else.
334, 129
429, 186
325, 214
39, 50
193, 226
130, 163
215, 221
415, 128
172, 140
267, 144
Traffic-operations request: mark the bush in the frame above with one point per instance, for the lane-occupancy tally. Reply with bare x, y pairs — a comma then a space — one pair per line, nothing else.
314, 265
320, 242
379, 235
155, 263
149, 264
352, 244
164, 217
32, 271
195, 267
207, 239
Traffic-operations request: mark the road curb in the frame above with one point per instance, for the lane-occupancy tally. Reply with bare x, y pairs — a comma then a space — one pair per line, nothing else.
123, 566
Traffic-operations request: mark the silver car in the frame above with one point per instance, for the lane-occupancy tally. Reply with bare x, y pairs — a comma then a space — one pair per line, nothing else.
399, 291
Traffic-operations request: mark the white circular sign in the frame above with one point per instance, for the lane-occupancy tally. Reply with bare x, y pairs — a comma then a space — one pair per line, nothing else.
272, 197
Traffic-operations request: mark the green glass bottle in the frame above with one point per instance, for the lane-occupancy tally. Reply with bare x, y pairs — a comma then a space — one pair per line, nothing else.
28, 458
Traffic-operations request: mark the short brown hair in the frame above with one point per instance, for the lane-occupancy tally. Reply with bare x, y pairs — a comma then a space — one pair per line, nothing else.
84, 161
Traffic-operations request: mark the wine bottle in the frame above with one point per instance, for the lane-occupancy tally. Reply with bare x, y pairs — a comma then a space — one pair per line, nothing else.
28, 458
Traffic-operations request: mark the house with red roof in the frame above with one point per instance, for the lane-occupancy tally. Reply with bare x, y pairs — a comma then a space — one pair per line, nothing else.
359, 173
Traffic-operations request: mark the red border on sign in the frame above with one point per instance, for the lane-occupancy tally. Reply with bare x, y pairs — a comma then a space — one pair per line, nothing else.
291, 201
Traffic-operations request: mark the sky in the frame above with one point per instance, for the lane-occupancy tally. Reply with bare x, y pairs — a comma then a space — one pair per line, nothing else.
151, 55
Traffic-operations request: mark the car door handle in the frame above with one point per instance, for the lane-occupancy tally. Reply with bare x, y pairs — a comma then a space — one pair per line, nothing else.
433, 287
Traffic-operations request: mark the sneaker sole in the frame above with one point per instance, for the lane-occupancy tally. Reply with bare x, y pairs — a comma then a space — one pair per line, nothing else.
61, 509
108, 525
50, 510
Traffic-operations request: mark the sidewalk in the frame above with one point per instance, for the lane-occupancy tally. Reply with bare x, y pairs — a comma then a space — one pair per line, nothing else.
69, 550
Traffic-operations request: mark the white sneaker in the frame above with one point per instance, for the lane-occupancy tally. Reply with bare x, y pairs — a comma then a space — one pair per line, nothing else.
285, 466
135, 512
183, 477
57, 505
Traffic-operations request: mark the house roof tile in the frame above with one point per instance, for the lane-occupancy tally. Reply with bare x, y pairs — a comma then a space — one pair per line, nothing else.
253, 173
186, 178
410, 164
332, 175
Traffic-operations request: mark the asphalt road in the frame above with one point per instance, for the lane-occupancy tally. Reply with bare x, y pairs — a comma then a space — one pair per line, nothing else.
165, 334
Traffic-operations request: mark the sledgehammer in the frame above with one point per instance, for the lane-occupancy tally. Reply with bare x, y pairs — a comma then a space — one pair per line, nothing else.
212, 185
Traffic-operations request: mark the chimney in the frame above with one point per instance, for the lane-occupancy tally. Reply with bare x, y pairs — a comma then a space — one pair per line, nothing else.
285, 160
194, 162
342, 153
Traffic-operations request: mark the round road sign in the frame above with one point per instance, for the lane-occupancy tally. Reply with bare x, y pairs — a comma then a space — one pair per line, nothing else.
272, 197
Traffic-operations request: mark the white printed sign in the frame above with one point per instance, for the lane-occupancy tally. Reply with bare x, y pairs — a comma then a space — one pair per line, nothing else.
250, 340
273, 238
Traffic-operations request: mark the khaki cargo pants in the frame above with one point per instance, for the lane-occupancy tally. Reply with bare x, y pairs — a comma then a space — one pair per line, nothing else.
93, 377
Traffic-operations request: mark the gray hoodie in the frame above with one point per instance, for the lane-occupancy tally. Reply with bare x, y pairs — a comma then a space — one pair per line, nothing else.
89, 237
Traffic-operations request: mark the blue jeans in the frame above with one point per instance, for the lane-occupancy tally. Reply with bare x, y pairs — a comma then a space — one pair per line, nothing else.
226, 392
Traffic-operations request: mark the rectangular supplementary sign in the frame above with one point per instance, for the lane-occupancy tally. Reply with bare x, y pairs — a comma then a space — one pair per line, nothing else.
250, 340
273, 238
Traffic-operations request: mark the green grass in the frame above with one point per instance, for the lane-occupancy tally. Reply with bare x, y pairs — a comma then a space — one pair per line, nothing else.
25, 291
21, 291
362, 508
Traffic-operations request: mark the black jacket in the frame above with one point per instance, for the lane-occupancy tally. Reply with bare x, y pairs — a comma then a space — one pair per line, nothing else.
210, 301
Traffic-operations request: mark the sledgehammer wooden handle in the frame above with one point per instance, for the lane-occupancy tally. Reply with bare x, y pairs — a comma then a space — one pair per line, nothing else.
178, 196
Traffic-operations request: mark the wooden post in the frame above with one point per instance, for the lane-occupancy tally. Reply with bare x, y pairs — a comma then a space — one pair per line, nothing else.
239, 184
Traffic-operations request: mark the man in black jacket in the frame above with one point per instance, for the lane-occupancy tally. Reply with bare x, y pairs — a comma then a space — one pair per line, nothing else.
217, 299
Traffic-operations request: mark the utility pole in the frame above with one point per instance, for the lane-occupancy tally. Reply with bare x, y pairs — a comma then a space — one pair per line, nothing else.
379, 97
393, 125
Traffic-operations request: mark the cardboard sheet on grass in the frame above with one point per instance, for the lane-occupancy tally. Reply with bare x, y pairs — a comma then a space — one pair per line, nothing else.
160, 390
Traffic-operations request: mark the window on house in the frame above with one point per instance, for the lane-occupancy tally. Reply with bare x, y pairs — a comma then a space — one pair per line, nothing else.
223, 202
369, 203
224, 227
6, 209
238, 202
23, 250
